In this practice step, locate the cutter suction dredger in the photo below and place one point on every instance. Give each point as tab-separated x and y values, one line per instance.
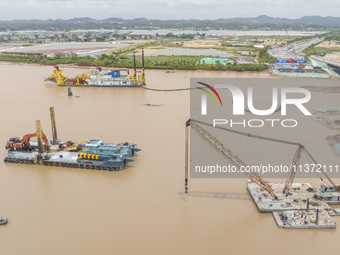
99	78
88	154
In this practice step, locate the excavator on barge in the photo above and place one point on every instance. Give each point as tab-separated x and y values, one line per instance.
24	144
88	154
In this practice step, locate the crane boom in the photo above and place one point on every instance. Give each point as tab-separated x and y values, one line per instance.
230	156
287	34
295	163
292	45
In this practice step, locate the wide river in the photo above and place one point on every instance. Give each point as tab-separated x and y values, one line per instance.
142	209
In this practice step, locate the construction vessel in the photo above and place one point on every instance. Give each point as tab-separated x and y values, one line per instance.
272	197
89	154
3	221
98	78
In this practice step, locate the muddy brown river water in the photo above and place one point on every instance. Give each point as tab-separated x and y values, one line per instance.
142	209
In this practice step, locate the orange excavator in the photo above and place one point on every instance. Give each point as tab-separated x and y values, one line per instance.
15	144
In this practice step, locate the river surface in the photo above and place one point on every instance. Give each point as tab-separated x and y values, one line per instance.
142	209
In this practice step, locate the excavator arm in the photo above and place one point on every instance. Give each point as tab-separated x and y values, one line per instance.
26	139
45	140
75	147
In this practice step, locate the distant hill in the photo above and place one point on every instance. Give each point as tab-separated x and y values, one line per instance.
260	22
307	20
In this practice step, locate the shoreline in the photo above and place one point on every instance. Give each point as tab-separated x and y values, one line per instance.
268	72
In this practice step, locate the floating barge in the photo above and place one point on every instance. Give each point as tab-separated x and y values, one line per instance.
304	207
115	157
300	192
88	154
98	78
304	219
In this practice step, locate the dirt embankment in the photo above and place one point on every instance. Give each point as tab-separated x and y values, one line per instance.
151	50
333	57
200	44
329	45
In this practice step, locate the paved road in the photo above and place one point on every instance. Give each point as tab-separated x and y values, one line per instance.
292	50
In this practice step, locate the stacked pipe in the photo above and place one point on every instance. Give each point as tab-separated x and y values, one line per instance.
143	71
134	67
38	128
54	126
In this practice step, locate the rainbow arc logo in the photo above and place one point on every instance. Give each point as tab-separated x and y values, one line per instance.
209	93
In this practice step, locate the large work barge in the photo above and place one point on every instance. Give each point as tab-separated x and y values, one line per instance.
88	154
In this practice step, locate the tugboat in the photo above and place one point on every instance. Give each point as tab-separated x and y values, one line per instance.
3	221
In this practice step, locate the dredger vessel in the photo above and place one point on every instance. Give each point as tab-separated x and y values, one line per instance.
99	78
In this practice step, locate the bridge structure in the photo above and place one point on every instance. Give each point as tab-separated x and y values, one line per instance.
330	63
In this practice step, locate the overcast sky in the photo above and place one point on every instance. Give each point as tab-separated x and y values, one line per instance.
164	9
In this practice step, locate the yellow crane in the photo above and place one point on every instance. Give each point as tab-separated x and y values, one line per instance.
58	76
82	78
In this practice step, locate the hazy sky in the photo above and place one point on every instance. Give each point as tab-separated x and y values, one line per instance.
164	9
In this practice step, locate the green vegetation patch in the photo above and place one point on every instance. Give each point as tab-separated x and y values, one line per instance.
264	56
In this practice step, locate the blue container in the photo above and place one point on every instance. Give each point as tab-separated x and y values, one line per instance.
114	74
69	91
282	61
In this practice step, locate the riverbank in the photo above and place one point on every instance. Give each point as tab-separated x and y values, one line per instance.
126	61
80	66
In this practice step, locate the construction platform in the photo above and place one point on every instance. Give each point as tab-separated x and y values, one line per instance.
304	219
300	194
